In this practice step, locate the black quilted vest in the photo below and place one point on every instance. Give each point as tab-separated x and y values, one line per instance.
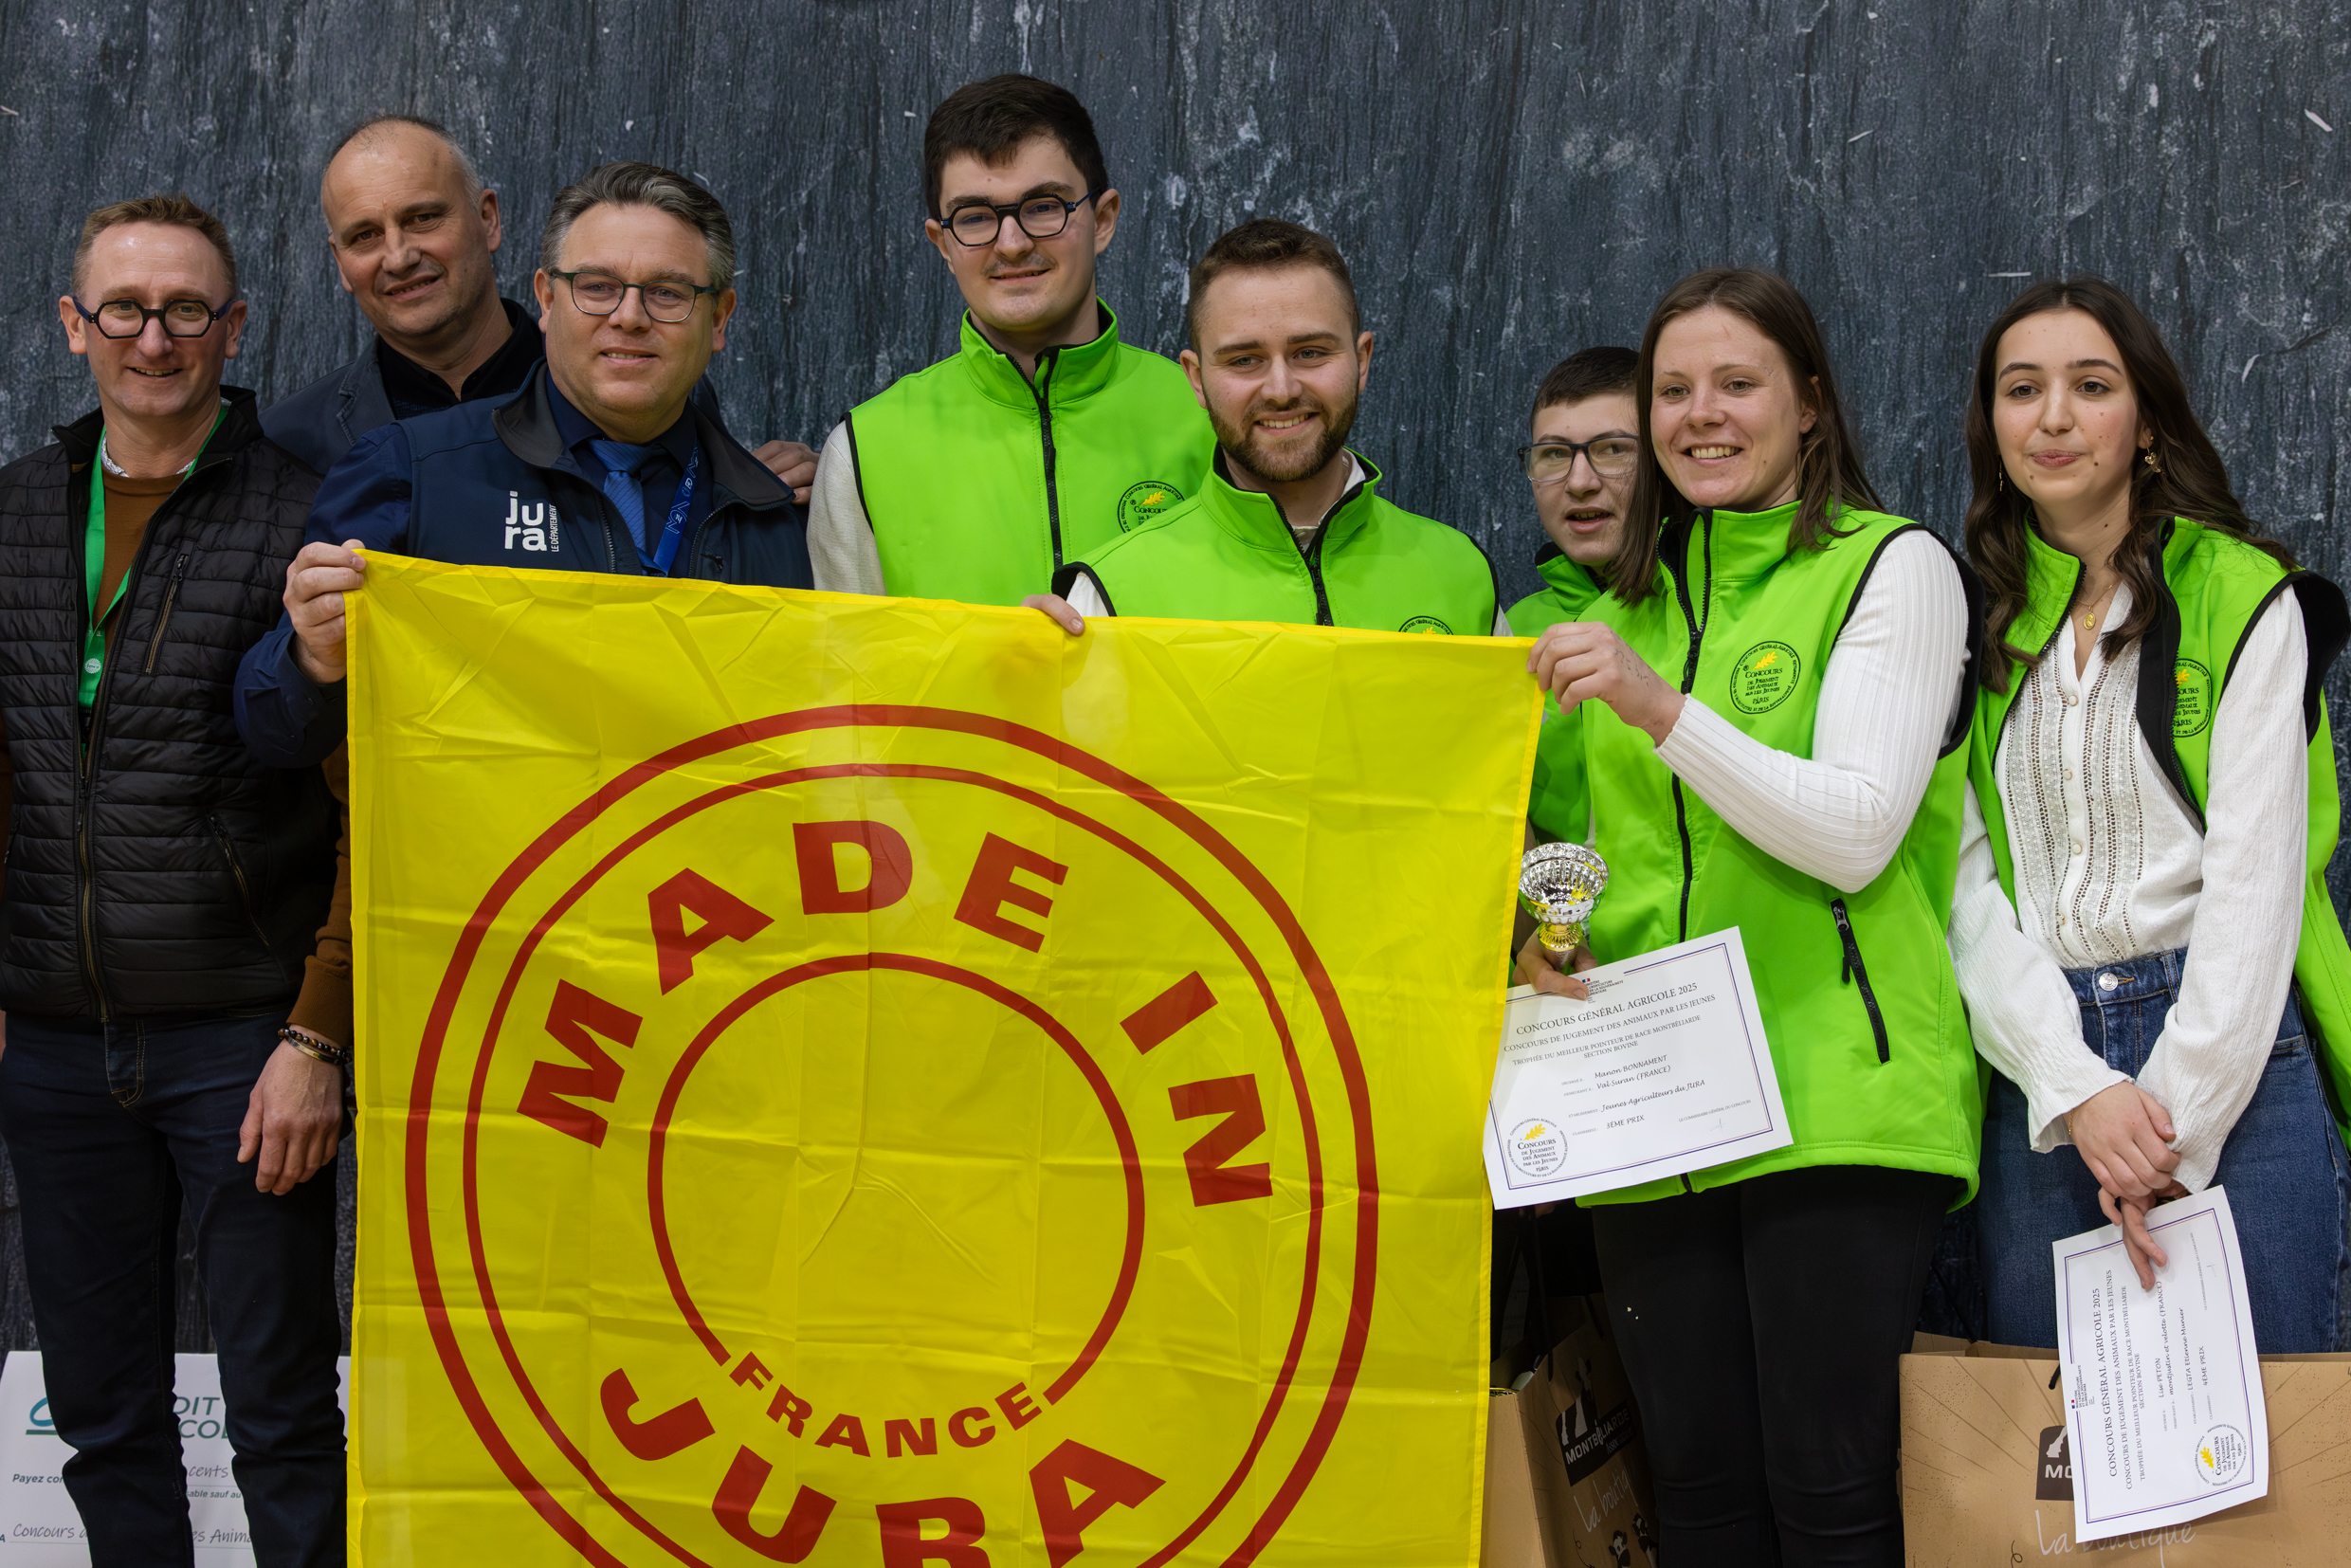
163	870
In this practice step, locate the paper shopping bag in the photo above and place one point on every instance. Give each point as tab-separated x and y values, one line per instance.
1987	1480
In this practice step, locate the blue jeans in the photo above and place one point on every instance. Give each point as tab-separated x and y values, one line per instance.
110	1127
2283	1167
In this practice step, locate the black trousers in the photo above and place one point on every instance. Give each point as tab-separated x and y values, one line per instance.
110	1127
1761	1324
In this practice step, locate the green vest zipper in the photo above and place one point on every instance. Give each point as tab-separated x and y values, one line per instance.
1230	555
980	482
1859	1001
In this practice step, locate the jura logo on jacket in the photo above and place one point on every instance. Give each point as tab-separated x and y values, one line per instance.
538	526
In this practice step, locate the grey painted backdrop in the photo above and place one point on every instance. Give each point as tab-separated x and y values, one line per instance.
1512	181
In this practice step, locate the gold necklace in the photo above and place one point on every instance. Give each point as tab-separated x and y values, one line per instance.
2089	614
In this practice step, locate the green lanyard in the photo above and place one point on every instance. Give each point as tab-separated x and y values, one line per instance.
94	563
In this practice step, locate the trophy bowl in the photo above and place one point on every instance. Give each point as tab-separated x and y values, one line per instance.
1557	885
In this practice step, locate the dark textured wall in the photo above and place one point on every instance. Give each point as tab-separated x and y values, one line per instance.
1512	179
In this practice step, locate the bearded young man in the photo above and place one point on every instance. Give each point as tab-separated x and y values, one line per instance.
1044	435
1289	525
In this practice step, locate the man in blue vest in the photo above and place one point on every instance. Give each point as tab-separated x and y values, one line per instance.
601	463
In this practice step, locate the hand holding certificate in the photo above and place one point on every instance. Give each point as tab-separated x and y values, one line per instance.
1664	1070
2165	1408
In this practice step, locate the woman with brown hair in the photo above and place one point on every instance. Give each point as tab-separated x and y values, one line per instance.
1794	771
2142	929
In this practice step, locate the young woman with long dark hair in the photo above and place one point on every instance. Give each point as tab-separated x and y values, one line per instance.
2142	928
1779	696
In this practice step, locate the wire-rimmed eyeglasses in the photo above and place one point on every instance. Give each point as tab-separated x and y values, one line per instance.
1611	456
667	300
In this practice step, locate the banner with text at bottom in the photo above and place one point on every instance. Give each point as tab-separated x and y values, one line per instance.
862	1081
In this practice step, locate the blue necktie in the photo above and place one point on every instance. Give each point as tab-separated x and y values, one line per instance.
621	461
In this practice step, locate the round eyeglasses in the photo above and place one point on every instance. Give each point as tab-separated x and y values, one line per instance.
600	294
1040	218
1611	456
120	319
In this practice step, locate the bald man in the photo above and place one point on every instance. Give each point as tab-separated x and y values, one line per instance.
413	233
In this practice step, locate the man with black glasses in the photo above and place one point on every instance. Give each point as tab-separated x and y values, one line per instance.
163	891
1044	436
600	463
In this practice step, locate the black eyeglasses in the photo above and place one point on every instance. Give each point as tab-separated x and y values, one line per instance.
600	294
128	317
1611	456
1040	218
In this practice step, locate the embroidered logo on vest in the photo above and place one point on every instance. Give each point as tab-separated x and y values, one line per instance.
2194	708
1145	501
1765	676
1426	626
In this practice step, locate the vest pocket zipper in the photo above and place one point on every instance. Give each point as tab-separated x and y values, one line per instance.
1854	971
171	597
245	888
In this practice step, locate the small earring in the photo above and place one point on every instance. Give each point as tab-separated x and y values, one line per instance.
2153	466
2000	483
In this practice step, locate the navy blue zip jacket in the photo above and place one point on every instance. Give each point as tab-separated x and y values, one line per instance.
491	483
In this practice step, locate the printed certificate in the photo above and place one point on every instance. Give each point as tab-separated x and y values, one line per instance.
2164	1410
1664	1070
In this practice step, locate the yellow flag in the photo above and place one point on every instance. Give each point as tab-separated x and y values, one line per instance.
873	1081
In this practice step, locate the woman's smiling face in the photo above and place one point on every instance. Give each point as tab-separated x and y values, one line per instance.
1726	416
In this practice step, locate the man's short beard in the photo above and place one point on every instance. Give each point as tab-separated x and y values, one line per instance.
1240	446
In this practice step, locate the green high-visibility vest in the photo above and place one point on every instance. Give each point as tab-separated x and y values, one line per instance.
2217	586
1229	555
1857	991
979	484
1559	806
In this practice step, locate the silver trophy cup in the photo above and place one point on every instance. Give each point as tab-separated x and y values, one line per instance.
1557	885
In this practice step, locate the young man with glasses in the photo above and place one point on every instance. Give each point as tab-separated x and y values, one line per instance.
601	463
414	235
1584	443
164	888
1044	436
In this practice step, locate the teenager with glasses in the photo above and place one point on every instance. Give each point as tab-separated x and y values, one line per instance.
164	892
601	463
1583	445
1044	436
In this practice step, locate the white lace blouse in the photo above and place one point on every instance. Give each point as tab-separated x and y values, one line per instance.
2109	867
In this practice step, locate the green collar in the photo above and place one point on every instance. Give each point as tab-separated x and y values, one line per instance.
1571	579
1743	546
1255	518
2051	579
1067	374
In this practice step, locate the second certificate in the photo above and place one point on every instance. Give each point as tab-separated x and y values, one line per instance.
1665	1070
